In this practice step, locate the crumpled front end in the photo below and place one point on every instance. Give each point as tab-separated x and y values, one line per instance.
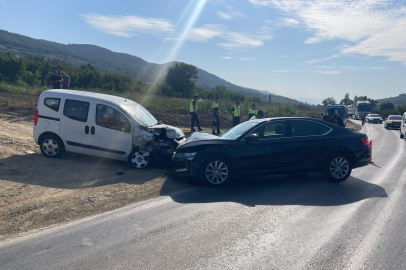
160	141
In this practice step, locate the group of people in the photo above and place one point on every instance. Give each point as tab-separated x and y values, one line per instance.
59	81
253	114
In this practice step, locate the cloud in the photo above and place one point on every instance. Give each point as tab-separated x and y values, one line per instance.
378	68
236	40
128	26
282	71
205	32
247	58
230	13
322	59
289	22
372	27
329	72
227	57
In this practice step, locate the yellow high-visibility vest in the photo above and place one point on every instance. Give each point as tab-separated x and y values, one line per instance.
191	106
236	111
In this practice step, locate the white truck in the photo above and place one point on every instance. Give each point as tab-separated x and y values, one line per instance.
361	109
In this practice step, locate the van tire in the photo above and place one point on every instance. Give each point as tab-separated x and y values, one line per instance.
137	160
51	146
401	135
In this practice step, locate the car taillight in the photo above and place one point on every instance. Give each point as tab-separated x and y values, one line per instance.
365	141
36	117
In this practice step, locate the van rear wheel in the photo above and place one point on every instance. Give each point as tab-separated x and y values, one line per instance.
51	146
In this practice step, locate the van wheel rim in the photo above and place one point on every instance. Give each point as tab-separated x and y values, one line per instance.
339	167
50	147
216	172
139	160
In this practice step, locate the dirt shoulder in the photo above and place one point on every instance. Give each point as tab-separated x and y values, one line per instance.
354	125
37	192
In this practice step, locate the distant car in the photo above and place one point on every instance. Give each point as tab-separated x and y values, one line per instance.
373	118
403	127
272	146
342	111
393	121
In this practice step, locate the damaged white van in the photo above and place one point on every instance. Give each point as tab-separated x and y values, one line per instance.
101	125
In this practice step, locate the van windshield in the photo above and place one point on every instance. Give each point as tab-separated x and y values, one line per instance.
140	114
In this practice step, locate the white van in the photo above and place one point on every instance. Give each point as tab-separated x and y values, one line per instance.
101	125
403	127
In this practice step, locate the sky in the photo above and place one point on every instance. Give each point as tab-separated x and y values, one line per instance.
302	49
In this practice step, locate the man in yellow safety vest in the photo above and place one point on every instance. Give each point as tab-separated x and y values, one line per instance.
236	113
194	114
259	115
252	112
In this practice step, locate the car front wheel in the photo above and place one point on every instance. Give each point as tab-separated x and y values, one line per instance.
216	172
139	159
338	168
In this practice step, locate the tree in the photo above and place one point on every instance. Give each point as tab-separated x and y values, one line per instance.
346	99
329	100
181	78
386	106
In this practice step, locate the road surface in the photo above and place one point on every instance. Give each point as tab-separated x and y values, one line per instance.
283	222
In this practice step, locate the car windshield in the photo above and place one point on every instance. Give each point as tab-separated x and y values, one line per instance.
339	110
396	117
140	114
237	131
374	115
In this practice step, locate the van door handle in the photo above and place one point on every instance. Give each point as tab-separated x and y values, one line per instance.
87	129
92	130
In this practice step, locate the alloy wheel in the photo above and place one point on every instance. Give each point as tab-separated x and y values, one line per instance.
140	159
216	172
339	167
50	147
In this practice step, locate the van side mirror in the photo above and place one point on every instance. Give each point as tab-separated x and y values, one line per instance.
252	137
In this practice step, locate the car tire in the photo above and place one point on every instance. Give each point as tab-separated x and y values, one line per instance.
139	159
51	146
401	135
216	172
338	168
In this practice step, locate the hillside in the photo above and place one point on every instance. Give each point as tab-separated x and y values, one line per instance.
399	100
113	62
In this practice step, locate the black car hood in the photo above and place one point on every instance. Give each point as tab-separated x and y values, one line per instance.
199	138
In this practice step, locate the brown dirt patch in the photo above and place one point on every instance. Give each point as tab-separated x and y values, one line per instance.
37	191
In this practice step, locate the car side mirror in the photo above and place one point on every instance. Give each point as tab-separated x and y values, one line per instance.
160	122
252	137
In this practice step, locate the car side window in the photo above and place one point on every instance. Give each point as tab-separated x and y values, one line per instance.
271	130
109	117
76	110
303	128
52	103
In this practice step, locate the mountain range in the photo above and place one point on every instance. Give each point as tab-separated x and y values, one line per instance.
108	61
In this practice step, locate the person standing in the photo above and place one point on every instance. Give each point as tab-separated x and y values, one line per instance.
65	81
236	113
216	118
55	80
363	119
252	112
333	117
194	115
259	115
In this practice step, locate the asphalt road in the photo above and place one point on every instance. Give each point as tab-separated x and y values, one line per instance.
283	222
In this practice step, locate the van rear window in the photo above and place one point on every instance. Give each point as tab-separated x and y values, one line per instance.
52	103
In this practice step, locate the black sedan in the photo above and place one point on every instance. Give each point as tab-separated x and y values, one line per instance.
272	146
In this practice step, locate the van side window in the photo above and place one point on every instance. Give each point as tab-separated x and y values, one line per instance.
52	103
76	110
111	118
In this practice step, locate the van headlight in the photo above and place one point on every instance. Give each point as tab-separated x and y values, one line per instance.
188	156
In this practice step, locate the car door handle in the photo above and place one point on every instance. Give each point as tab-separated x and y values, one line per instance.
87	129
92	130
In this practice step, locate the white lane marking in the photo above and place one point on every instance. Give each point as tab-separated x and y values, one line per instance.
87	242
370	241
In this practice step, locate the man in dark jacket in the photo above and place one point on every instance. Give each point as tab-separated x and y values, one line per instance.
55	80
333	117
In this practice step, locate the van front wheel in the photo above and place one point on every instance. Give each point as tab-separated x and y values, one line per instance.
139	159
51	146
